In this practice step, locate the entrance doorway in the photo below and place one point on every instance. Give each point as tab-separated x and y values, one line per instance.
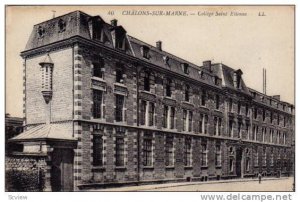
239	162
62	169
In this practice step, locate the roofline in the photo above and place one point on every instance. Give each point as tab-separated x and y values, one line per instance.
76	11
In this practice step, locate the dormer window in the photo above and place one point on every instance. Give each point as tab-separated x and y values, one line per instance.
200	72
145	52
166	60
118	34
237	78
41	32
185	68
216	80
61	25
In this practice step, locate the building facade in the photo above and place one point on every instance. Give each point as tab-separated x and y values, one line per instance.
107	108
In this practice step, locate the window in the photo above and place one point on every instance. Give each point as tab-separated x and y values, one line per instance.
98	106
247	110
264	157
97	31
147	81
271	135
218	162
119	75
203	98
278	119
147	113
97	150
187	93
143	112
205	124
247	164
284	121
169	151
239	129
184	119
204	154
172	117
230	105
255	113
248	131
230	128
264	115
201	123
217	126
217	101
271	118
169	117
185	68
98	67
256	158
145	52
187	152
239	108
231	165
187	120
165	121
272	159
168	91
120	151
147	150
190	121
151	113
119	108
264	131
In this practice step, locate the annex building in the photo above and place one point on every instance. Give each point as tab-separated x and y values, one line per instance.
102	108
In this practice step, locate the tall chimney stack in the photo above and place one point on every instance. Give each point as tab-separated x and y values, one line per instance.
114	22
159	45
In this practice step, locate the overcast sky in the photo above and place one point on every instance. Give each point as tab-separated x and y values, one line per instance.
250	42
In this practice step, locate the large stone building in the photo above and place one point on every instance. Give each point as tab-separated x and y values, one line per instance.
105	108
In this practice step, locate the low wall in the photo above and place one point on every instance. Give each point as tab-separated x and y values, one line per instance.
25	172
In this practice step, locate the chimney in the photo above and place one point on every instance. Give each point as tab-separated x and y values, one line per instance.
207	65
114	22
158	45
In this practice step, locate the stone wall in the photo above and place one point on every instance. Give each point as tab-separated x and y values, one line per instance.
25	173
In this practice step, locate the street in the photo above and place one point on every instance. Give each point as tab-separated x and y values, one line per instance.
267	184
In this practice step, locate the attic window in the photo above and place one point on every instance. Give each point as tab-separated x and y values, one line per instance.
61	25
201	73
166	60
41	32
237	78
216	80
145	52
185	68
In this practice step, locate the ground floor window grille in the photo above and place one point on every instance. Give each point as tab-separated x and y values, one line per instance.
147	151
119	151
97	150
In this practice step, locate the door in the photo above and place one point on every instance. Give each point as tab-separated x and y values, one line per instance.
239	162
62	170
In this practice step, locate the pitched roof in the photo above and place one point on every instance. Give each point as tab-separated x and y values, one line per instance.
46	131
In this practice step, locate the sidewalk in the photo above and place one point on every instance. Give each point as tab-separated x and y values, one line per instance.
153	187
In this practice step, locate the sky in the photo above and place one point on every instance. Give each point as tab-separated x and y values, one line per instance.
249	42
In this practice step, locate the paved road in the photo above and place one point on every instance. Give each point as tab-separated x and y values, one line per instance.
282	184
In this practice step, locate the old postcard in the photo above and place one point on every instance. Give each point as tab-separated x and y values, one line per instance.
150	98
